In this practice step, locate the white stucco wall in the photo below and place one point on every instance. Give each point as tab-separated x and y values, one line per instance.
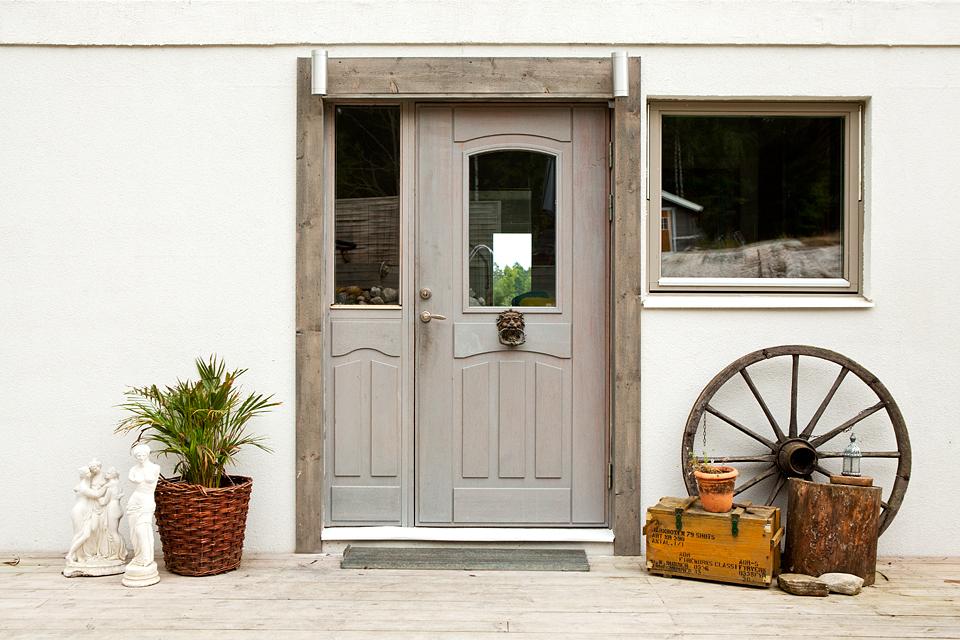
147	213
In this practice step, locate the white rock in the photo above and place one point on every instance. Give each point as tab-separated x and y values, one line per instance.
845	583
800	584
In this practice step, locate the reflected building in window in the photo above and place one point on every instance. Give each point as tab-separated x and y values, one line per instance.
367	205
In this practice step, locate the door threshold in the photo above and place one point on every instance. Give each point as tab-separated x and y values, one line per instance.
467	534
593	541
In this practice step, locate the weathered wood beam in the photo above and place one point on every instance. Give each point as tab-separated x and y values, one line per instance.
627	174
309	314
574	78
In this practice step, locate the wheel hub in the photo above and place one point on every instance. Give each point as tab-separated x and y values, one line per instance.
796	458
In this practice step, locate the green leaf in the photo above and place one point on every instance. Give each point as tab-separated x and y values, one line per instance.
200	423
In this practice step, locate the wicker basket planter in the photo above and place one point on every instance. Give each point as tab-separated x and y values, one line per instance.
201	529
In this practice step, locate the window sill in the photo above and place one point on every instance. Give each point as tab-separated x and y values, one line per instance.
752	301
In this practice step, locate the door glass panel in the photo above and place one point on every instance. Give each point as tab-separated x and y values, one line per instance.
512	246
367	207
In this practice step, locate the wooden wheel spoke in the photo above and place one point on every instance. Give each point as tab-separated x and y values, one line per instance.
736	425
823	405
763	405
794	380
823	471
756	480
865	454
782	480
757	458
833	433
785	427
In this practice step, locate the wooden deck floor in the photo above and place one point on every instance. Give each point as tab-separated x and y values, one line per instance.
309	596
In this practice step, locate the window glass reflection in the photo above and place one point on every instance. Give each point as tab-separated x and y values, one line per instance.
752	196
511	253
367	207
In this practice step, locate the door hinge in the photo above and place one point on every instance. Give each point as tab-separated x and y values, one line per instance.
610	155
610	476
610	207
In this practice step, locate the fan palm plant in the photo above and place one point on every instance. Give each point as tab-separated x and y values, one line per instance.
201	423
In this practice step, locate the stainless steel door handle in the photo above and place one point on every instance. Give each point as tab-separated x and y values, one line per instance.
426	316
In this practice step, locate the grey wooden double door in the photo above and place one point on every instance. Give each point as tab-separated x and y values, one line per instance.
509	212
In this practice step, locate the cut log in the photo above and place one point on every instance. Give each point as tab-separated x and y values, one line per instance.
832	528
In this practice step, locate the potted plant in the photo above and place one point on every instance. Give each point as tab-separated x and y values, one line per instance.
715	484
202	511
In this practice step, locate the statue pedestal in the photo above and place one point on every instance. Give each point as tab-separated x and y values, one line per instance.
93	568
141	575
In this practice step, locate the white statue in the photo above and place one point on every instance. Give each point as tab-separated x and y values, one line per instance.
142	570
93	551
111	542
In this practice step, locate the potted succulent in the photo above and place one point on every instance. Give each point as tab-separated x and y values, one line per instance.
202	511
715	484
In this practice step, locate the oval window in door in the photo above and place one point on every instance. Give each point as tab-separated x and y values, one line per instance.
512	240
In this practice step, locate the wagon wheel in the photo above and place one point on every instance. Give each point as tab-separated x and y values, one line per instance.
795	452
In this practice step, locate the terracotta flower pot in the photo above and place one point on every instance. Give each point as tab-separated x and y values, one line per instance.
716	489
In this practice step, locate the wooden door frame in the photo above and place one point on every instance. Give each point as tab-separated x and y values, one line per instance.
489	80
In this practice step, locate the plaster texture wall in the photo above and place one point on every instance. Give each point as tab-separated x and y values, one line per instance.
147	214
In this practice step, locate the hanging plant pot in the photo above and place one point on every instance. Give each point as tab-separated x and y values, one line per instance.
202	528
715	485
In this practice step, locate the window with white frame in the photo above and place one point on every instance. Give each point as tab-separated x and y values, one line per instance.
763	196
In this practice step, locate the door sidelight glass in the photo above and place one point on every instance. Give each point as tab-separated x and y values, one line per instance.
367	207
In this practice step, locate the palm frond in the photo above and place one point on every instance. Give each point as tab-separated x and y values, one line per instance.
201	423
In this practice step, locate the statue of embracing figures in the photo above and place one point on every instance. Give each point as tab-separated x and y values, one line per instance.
142	570
97	548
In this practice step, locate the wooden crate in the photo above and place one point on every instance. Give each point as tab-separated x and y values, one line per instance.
742	546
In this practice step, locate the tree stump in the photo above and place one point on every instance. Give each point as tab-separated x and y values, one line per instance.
832	528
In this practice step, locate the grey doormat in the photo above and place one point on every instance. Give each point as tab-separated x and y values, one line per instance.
470	559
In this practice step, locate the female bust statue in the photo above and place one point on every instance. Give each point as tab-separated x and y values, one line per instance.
142	570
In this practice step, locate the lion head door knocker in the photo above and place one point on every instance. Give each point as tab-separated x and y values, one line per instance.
510	328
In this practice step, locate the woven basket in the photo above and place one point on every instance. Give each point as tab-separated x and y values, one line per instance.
202	529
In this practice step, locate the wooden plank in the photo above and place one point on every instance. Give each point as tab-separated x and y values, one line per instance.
511	426
549	338
436	170
627	174
476	122
548	429
303	596
511	505
475	395
349	411
309	314
365	504
589	237
583	78
384	420
383	335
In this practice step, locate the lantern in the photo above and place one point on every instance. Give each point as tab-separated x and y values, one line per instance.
851	458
